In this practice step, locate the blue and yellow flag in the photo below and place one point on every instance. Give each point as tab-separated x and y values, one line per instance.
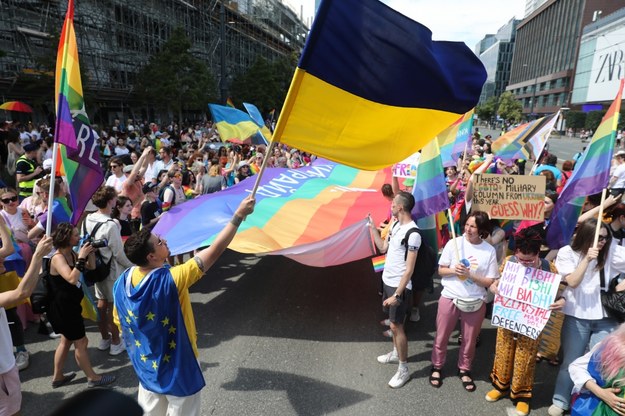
372	88
257	118
155	334
233	125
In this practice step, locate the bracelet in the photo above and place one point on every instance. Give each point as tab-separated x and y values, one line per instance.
236	220
79	266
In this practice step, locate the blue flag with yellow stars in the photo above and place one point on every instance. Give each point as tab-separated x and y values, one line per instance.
155	335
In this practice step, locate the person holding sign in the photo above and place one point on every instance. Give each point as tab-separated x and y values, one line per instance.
587	270
467	266
514	364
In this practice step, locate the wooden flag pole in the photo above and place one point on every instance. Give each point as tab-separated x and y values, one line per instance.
453	234
599	219
55	150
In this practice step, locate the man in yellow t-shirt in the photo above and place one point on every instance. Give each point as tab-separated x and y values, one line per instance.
153	311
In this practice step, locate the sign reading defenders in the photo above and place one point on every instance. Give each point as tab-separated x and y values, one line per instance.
510	197
522	304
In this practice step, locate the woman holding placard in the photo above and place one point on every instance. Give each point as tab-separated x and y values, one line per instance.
514	364
467	266
587	269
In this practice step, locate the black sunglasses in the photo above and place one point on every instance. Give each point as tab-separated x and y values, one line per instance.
601	237
8	200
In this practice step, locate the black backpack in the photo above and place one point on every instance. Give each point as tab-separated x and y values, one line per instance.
102	268
40	298
426	264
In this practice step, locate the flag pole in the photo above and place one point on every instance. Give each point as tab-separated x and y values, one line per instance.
599	219
55	150
453	234
259	175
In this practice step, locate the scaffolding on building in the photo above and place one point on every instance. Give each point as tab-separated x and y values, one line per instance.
116	38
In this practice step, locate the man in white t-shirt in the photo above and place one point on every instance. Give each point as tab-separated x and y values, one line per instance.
617	181
401	256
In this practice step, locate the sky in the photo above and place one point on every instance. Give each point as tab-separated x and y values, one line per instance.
459	20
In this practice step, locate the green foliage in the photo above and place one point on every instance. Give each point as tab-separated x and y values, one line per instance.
487	110
575	119
593	118
264	84
175	80
509	108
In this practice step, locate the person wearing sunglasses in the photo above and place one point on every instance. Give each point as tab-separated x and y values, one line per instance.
117	178
587	270
153	311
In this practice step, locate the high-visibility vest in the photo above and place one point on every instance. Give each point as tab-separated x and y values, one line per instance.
25	188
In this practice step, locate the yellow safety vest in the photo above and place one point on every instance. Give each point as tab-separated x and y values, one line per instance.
25	188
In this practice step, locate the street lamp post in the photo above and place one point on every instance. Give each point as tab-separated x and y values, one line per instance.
222	53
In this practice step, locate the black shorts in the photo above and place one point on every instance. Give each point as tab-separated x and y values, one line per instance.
397	314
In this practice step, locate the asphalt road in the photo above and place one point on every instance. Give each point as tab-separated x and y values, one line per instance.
280	338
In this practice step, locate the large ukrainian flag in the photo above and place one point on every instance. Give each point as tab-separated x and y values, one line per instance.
372	88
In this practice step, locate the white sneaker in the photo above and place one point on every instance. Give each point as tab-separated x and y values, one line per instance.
390	358
555	410
415	316
104	344
400	378
117	349
22	359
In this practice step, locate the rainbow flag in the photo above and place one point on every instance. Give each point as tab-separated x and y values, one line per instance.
233	125
326	206
526	141
453	140
370	78
230	103
78	147
429	190
590	176
378	263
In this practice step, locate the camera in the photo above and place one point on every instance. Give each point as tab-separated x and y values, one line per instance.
102	242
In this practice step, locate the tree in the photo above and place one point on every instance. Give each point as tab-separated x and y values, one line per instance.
593	118
264	84
575	119
174	80
509	108
487	110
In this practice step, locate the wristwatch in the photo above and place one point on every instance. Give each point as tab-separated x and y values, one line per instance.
397	298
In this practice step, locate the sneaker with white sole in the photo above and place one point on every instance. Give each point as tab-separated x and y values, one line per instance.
104	344
555	410
390	358
415	316
117	349
22	360
400	378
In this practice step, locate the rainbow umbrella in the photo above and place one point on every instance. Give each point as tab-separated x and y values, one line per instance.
16	106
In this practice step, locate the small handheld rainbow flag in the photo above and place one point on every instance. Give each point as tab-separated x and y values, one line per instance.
230	103
378	263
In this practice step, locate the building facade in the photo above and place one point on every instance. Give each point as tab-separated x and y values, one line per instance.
116	38
547	44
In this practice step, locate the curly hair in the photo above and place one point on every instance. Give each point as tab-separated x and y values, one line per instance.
138	246
103	195
528	241
62	235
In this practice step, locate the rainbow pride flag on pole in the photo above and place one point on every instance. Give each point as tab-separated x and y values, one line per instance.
526	141
77	142
454	138
325	205
372	88
591	175
429	190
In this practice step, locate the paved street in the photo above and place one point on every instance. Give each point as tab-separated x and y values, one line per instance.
280	338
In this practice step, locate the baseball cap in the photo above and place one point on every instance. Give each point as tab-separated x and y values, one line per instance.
148	187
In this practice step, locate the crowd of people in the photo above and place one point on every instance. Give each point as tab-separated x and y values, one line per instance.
151	168
470	266
148	169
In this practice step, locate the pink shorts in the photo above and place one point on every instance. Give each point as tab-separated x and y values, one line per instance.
10	392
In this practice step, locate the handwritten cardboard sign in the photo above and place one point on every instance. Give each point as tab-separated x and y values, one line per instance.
525	294
407	168
511	197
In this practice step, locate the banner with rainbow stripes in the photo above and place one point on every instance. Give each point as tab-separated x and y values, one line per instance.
294	207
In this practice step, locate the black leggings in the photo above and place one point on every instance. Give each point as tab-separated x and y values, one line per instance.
15	326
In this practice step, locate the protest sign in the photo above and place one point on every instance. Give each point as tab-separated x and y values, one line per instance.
407	168
511	197
522	304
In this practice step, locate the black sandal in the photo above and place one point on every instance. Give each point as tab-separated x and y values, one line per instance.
438	379
468	385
